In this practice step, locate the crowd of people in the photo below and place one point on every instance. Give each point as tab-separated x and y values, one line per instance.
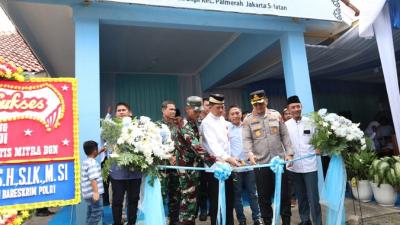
211	133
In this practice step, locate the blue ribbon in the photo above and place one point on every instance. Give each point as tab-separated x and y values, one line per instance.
153	203
277	167
222	171
333	192
320	175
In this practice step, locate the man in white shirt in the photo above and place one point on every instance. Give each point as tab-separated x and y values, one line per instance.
214	137
305	175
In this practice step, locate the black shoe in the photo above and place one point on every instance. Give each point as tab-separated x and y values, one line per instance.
242	223
267	221
42	214
306	223
258	222
203	216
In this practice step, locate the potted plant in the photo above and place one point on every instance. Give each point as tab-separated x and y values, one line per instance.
356	164
385	173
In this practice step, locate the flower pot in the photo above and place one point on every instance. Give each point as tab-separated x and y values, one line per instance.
364	191
385	195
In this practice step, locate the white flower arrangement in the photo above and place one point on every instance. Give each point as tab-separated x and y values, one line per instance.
335	134
138	144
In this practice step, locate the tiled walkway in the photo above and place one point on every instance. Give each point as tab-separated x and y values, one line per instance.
373	214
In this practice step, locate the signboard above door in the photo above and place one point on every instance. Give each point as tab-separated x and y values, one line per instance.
311	9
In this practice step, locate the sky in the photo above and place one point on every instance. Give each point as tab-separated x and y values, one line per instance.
5	23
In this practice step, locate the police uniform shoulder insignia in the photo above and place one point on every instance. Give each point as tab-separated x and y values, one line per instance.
274	114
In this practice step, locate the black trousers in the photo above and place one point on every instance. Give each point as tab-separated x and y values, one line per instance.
132	189
213	194
173	197
265	180
202	194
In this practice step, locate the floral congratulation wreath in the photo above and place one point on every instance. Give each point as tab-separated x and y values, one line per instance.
9	71
337	135
137	144
13	217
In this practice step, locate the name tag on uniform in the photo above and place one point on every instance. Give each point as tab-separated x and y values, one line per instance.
254	121
307	132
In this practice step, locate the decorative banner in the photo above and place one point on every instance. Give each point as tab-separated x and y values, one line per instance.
39	153
312	9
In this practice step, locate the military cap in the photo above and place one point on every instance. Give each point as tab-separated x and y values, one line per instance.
257	97
293	99
216	99
195	102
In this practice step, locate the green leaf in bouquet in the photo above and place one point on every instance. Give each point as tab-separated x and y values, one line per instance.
131	160
105	171
110	131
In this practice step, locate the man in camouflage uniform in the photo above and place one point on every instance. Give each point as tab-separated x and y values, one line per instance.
264	137
170	180
202	193
189	153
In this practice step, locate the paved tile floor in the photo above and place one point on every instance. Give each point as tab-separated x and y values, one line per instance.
373	214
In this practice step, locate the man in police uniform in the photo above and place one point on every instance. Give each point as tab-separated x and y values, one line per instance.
264	136
305	175
214	134
189	153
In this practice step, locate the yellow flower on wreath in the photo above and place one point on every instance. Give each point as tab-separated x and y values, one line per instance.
9	71
19	77
17	221
25	214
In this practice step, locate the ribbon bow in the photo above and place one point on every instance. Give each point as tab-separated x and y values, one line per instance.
222	171
277	167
